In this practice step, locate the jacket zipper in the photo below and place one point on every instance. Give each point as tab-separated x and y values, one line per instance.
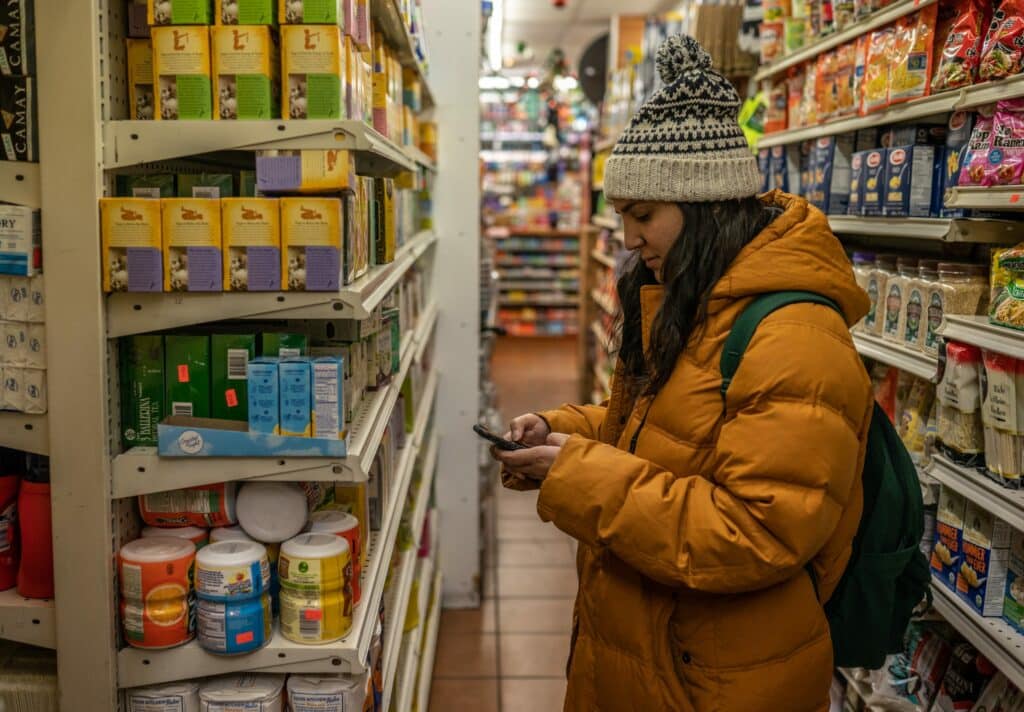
636	435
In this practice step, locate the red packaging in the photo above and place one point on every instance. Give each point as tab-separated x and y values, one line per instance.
795	93
975	156
961	50
35	572
1003	52
775	112
204	506
772	41
825	92
8	531
1005	157
885	389
911	67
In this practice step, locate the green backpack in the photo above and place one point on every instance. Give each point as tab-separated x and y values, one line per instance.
888	576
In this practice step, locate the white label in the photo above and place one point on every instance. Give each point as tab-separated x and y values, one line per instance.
326	408
143	192
174	703
131	581
234	707
206	191
190	442
1000	409
310	702
180	408
238	361
289	353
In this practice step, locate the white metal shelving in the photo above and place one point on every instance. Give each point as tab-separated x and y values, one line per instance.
23	431
1007	504
27	620
401	584
412	642
419	512
602	258
978	331
425	673
390	21
996	197
19	183
940	229
915	362
604	302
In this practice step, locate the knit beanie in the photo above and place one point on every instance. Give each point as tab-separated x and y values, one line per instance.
684	145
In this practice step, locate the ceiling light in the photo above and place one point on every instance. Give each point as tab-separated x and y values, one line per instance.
518	82
533	82
566	83
494	82
495	30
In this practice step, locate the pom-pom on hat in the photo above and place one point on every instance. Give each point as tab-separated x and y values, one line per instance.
685	144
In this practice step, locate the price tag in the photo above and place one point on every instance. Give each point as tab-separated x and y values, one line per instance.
183	373
231	397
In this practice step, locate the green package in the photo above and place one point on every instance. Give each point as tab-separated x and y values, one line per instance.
392	324
156	185
206	185
315	12
187	365
180	12
284	346
142	389
247	184
248	12
230	355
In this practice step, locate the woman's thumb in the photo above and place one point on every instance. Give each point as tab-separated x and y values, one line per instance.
557	439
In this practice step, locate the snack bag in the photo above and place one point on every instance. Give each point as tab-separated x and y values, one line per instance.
1005	157
771	41
845	67
876	70
809	101
975	153
826	91
1003	53
775	112
775	10
961	50
794	96
912	56
860	61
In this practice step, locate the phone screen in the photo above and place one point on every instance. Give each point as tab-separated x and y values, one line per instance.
499	442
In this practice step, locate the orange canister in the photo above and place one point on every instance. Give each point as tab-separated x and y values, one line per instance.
157	598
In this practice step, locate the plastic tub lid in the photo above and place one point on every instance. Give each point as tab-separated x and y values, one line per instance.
232	533
272	511
190	533
185	688
231	553
332	521
314	546
155	549
242	688
332	685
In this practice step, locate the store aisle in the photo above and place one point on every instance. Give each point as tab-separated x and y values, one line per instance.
509	655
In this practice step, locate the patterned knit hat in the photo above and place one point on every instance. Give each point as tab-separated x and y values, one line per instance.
684	144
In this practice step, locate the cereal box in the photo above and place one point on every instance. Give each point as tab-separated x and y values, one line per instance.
229	374
181	70
179	12
949	524
873	202
192	245
20	241
251	230
245	73
296	409
244	12
908	181
1013	601
328	398
311	244
187	375
981	578
139	57
313	71
141	368
18	110
132	245
304	171
264	396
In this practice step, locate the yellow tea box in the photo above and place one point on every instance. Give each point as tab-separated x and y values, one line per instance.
361	25
311	238
244	12
315	12
352	100
139	57
251	230
131	243
181	72
313	171
384	193
178	12
245	68
192	244
313	71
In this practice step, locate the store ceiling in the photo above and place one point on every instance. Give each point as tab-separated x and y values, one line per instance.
544	27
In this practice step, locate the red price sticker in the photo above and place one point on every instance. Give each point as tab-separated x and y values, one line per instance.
1015	198
231	396
313	614
183	373
243	638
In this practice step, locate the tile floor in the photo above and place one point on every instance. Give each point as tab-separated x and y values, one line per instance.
509	655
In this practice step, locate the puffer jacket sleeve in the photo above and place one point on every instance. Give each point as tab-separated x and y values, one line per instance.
787	459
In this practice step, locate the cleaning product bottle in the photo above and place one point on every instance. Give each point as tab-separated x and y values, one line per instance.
35	573
8	529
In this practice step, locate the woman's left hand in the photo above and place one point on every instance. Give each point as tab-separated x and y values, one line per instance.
532	463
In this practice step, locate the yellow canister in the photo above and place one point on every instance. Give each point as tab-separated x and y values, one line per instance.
315	573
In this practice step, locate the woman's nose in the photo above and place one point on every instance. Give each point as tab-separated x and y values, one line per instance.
633	240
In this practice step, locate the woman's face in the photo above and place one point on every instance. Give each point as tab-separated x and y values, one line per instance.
651	228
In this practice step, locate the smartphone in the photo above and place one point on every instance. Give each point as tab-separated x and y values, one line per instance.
500	443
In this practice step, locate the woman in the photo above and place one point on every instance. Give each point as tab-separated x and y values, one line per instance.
696	517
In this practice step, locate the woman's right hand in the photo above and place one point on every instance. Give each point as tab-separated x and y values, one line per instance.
529	429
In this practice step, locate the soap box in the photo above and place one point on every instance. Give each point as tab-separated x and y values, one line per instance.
181	68
384	191
874	182
312	12
281	346
132	245
251	229
296	411
192	245
179	12
312	71
205	185
264	396
949	524
187	369
153	185
311	244
139	57
36	355
181	436
20	241
856	183
15	343
908	181
1013	601
304	171
141	368
229	373
36	308
245	73
245	12
328	398
981	578
18	109
17	43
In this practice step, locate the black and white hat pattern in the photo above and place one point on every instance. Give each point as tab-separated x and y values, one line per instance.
684	144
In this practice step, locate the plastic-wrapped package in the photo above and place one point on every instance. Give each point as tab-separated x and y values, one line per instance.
961	50
960	434
1002	412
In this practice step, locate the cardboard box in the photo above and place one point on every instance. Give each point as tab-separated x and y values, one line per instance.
245	73
855	205
141	100
305	171
381	86
187	369
763	156
950	178
251	231
132	245
36	307
779	169
947	554
328	394
245	12
283	346
312	12
214	186
357	230
830	189
247	184
179	12
138	24
312	71
208	437
229	372
296	407
264	396
18	109
153	185
20	241
14	348
385	244
360	31
981	578
908	181
192	245
17	41
311	246
36	355
181	69
875	162
1013	601
141	369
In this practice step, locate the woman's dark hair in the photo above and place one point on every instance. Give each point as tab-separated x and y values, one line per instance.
712	237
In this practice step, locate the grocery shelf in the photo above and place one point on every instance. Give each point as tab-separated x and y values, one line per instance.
809	51
942	229
130	143
993	637
426	663
425	330
19	183
603	301
501	232
138	313
412	642
419	512
605	222
915	362
978	331
422	159
23	431
1007	504
394	29
538	250
349	655
559	303
27	620
604	259
996	197
602	338
395	612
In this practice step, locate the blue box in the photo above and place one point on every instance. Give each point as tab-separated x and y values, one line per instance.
951	163
328	398
181	436
296	405
264	396
914	134
909	173
856	204
873	178
778	166
830	160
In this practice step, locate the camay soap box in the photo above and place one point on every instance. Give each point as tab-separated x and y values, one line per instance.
132	245
20	245
311	246
181	436
251	230
192	245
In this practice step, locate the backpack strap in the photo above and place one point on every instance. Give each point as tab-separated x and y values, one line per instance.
746	324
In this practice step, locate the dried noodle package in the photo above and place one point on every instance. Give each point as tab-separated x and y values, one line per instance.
961	50
1002	411
1005	161
876	71
975	154
1003	53
959	435
826	93
912	56
1008	289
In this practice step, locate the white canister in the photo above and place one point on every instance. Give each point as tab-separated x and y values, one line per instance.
232	569
197	535
249	692
175	697
339	693
232	533
272	512
345	525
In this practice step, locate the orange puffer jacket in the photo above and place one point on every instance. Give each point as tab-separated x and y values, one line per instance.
693	594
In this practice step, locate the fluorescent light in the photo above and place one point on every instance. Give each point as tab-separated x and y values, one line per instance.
518	82
533	82
495	29
492	82
566	83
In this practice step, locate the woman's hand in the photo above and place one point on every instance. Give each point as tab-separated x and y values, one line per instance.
532	463
529	429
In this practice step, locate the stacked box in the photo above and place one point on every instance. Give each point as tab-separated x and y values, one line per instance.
132	245
305	171
874	170
17	42
245	73
192	245
141	99
981	579
296	407
179	12
181	70
245	12
264	396
230	357
312	71
141	370
187	369
910	171
830	186
328	398
855	206
311	248
947	554
251	230
18	108
313	12
21	250
385	242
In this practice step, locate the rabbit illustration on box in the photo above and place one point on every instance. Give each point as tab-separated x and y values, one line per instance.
297	97
177	268
144	110
229	12
118	272
293	12
168	98
296	269
239	270
162	12
228	98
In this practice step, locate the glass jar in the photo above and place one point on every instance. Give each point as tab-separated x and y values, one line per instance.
863	266
960	289
915	315
878	282
895	299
